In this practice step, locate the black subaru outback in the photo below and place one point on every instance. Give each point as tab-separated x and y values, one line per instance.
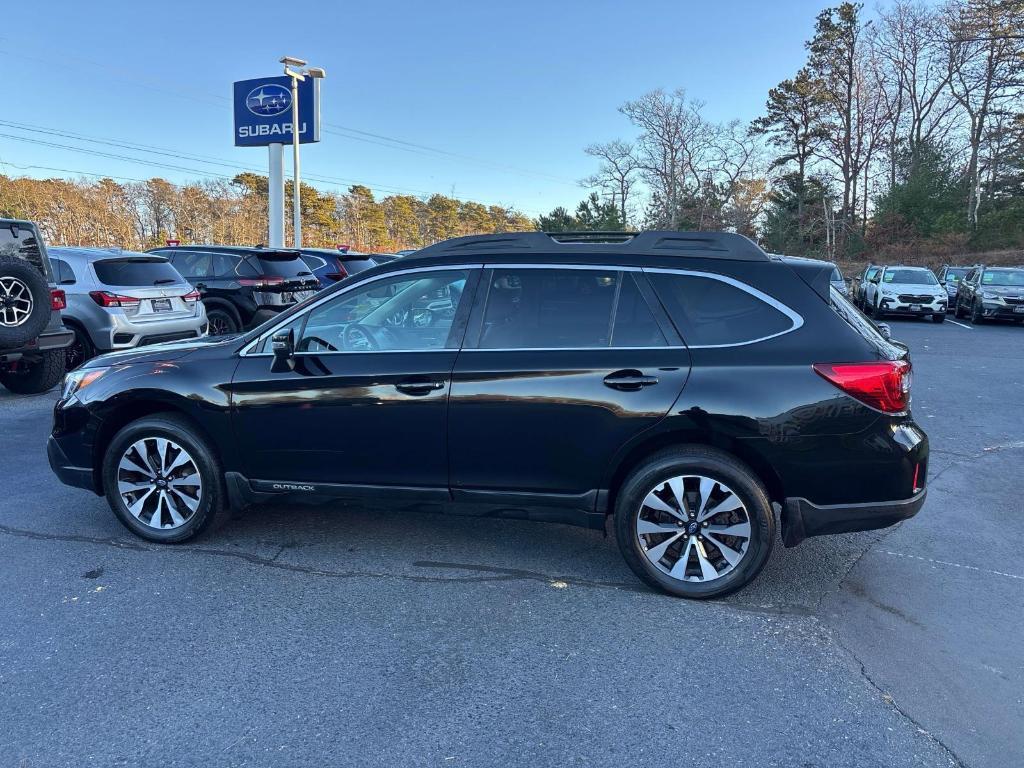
683	384
32	337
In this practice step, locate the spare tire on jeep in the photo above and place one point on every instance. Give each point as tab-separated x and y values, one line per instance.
25	302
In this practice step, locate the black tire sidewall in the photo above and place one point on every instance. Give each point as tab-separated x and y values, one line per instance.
39	375
716	465
186	436
39	289
233	324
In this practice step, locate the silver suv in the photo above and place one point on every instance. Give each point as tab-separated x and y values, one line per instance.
123	299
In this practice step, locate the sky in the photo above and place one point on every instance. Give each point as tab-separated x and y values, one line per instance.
492	102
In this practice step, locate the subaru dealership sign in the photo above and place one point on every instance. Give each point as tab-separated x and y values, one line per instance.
263	111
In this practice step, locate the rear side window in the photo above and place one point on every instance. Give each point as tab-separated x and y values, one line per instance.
136	272
709	312
192	263
228	265
634	324
62	272
549	309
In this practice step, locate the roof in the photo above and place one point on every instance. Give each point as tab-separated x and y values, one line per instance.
707	245
98	254
242	249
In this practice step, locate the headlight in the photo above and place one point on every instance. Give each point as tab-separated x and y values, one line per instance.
989	295
78	380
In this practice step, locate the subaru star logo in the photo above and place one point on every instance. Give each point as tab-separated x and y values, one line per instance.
268	100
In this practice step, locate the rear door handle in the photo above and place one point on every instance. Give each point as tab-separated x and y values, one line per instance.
629	380
419	387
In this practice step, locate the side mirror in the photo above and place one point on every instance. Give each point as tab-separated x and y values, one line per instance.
885	330
282	344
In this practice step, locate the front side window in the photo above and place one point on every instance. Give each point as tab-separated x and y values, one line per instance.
709	312
412	312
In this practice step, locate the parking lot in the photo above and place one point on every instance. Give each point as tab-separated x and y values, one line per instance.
387	637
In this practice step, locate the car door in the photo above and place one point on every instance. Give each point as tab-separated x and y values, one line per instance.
561	367
364	402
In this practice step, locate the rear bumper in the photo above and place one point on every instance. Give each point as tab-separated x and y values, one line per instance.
44	342
118	332
802	518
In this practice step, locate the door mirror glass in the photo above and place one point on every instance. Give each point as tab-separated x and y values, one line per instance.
282	344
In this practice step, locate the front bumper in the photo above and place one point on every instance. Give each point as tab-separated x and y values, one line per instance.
65	470
802	518
891	305
998	310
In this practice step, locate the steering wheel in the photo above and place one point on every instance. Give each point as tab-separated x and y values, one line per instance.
358	338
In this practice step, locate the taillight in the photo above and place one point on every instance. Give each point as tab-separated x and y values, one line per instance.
58	299
336	276
192	296
260	282
108	299
882	385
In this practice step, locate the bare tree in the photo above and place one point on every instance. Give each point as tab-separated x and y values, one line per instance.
986	69
617	173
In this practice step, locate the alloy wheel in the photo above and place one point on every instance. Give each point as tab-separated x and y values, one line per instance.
218	325
159	483
693	528
15	302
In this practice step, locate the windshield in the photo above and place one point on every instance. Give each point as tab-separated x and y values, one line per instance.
955	274
909	277
1014	277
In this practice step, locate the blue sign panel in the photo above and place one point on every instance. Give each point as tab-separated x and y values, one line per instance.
263	111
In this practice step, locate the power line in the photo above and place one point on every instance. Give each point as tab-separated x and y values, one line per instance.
360	135
203	159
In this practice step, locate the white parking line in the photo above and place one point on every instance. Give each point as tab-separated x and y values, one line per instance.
954	322
955	565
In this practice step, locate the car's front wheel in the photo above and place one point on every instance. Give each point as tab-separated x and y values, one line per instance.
162	479
694	522
939	317
977	314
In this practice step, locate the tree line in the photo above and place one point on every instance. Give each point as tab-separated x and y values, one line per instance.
144	214
901	134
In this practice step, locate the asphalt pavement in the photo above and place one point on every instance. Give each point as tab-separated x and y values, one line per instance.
369	636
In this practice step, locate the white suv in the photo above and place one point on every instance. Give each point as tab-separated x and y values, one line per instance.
908	291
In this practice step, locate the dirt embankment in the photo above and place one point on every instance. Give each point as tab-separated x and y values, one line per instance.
852	267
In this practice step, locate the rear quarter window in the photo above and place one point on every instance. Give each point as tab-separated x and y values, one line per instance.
709	312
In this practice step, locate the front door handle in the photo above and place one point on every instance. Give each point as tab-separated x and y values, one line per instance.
629	380
419	387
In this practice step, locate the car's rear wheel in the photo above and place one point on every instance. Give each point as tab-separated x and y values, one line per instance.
162	479
221	322
81	348
694	522
32	376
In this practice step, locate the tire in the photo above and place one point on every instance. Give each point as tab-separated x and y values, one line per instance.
725	474
121	462
37	376
24	302
869	310
939	318
223	321
81	348
976	316
958	313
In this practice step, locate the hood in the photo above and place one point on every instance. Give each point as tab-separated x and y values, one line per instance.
156	353
1002	290
913	288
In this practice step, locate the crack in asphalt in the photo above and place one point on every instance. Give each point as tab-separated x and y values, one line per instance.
954	758
491	574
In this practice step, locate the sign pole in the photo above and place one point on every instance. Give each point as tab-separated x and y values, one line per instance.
296	185
275	212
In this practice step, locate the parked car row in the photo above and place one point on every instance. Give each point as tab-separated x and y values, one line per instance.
980	292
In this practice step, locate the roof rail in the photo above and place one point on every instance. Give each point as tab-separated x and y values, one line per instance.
713	245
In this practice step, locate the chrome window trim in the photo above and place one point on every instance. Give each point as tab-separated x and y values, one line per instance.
793	316
247	349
